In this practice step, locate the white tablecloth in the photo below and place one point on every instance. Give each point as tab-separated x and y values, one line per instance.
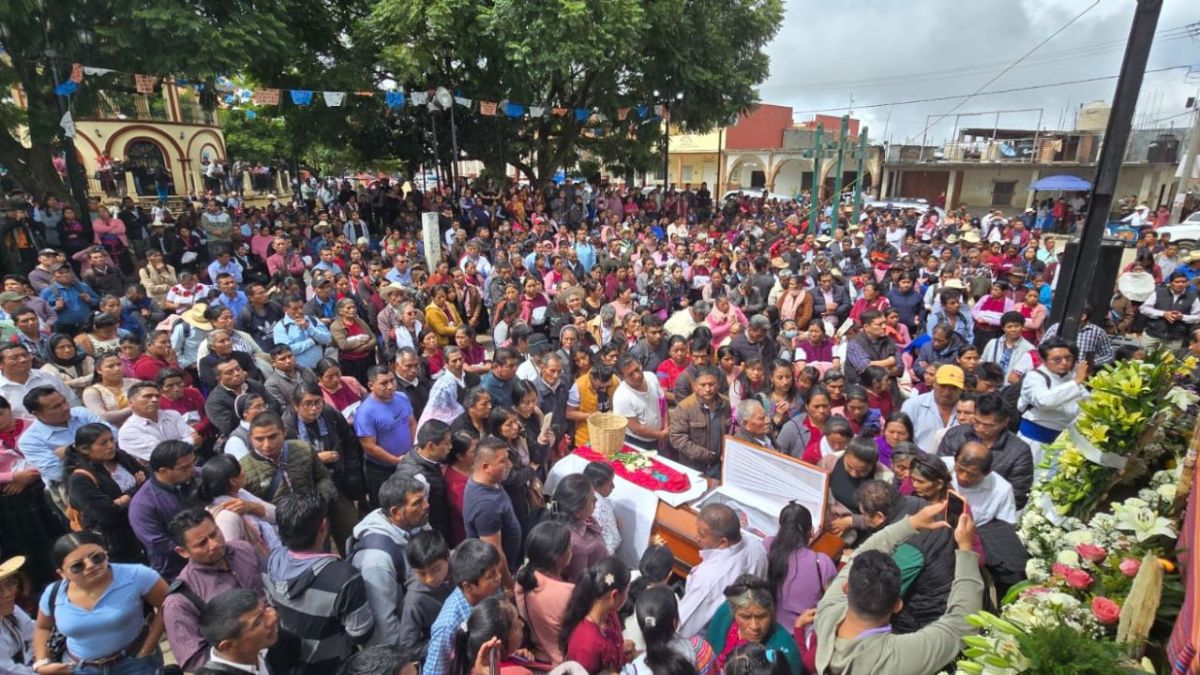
635	506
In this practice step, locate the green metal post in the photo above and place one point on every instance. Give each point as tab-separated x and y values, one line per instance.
858	175
815	203
837	177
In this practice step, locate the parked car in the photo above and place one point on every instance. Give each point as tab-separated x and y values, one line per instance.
1186	233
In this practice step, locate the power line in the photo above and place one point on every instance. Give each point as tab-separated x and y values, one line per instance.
1167	35
860	106
1001	74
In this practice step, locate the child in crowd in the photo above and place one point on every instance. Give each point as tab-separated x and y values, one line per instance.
602	477
429	559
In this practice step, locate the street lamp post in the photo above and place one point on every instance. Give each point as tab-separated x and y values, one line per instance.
667	137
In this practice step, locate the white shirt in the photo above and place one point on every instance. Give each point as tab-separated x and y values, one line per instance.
14	392
16	634
1019	361
140	435
528	371
927	421
992	499
705	591
259	668
644	406
235	446
1050	400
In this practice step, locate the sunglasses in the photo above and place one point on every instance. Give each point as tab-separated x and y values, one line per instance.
97	559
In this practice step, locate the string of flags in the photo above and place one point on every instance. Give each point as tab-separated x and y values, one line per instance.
230	95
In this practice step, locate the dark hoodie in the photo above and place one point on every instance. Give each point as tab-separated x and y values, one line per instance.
323	612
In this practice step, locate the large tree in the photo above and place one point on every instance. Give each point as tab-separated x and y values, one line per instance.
597	54
276	40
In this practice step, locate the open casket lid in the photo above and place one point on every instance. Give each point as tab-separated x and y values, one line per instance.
774	479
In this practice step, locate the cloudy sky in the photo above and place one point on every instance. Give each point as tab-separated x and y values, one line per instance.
872	52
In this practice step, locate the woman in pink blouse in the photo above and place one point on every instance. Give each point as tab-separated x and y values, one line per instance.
109	232
722	319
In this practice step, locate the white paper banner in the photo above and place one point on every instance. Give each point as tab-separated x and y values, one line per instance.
68	125
89	70
1093	454
463	101
334	99
419	97
536	111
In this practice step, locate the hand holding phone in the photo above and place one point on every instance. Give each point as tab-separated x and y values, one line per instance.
956	506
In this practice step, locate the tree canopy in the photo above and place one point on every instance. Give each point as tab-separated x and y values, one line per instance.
597	54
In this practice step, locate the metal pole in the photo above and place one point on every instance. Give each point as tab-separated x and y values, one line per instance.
666	145
454	151
720	161
437	161
1189	164
837	169
1075	283
75	179
858	175
815	202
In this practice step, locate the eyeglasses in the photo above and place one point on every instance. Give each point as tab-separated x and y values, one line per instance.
97	559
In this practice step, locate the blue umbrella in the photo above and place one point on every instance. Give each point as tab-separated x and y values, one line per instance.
1063	182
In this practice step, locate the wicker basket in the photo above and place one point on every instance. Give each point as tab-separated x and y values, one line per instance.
606	433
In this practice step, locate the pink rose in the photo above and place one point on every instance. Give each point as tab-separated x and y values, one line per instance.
1075	577
1091	553
1130	566
1107	612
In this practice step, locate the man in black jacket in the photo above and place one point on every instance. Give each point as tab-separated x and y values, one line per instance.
424	464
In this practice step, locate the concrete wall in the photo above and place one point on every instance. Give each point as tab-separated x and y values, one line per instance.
761	128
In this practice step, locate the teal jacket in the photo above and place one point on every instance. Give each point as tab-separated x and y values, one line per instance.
779	639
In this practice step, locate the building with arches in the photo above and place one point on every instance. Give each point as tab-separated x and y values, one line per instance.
131	142
149	138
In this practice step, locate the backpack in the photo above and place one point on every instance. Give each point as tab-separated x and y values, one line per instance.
74	515
379	542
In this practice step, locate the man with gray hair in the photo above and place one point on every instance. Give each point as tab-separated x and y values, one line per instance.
725	555
756	341
753	424
220	346
686	320
376	549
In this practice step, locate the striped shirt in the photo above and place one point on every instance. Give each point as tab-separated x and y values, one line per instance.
323	611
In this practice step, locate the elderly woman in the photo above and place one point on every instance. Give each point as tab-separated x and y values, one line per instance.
748	616
66	361
354	339
726	320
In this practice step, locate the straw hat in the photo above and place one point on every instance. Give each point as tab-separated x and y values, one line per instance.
971	237
11	566
195	316
388	289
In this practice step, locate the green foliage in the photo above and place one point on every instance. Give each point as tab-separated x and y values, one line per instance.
603	54
1060	650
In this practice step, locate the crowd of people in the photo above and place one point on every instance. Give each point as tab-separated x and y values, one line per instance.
281	440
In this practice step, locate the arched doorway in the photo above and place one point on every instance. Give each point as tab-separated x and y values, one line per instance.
146	160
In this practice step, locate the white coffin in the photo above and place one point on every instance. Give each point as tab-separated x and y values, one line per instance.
758	483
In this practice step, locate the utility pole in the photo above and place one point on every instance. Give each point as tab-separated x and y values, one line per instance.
75	179
858	175
837	169
1075	283
1189	162
815	201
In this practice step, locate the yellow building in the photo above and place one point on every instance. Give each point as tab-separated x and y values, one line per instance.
167	130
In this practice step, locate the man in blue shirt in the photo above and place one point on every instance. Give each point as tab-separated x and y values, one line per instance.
156	502
327	264
584	251
384	424
230	296
321	307
225	264
306	338
45	442
399	273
